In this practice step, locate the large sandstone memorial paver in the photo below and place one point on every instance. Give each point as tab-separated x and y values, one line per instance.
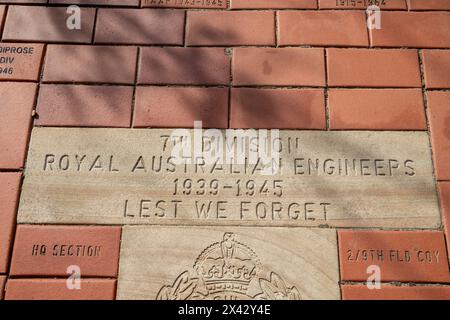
203	263
144	176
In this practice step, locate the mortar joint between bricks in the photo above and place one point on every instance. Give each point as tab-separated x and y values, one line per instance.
326	88
230	53
338	256
396	283
425	104
277	29
3	22
135	86
94	26
39	83
185	28
425	100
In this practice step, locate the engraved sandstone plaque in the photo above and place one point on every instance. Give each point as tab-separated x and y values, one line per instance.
205	263
129	176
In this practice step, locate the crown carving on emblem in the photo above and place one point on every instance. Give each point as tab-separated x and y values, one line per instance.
228	270
228	264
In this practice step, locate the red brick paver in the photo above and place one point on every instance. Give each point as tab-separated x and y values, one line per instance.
390	292
282	67
235	28
9	196
274	4
439	117
413	29
107	64
377	109
80	105
26	23
410	256
19	61
50	250
24	1
430	5
437	68
384	5
56	289
131	3
323	28
143	26
15	122
169	107
184	66
278	108
373	68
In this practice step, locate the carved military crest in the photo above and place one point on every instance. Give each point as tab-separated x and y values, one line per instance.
228	270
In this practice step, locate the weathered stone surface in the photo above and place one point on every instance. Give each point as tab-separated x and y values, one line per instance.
114	176
258	263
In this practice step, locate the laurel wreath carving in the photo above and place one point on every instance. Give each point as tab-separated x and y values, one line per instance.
187	288
276	289
182	288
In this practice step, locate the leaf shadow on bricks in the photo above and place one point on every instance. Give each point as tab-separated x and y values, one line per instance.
171	103
164	105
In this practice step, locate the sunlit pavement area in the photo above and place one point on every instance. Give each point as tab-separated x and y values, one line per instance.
95	95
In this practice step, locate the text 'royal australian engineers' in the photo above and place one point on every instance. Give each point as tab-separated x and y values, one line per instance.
156	176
